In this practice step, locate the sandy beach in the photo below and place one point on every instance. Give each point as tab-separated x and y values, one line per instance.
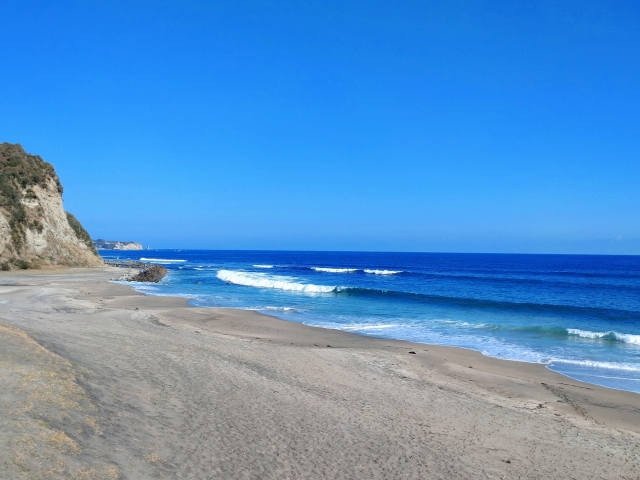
99	381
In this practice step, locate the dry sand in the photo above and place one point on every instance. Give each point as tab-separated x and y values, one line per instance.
98	381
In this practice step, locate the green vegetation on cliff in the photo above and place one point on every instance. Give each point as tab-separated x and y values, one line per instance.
81	233
19	171
34	229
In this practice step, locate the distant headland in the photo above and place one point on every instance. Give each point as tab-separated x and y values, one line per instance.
102	244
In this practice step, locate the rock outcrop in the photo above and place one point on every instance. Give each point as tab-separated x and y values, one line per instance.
35	231
116	245
154	273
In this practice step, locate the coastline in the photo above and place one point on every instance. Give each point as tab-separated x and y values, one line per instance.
299	401
381	342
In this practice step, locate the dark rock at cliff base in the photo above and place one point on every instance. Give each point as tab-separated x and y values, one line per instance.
154	273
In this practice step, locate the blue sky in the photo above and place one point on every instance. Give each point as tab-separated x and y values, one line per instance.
406	126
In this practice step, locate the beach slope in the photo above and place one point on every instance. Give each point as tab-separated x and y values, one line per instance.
98	381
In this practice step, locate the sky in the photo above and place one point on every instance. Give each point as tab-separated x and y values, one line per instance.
478	126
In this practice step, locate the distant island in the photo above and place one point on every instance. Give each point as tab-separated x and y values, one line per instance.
102	244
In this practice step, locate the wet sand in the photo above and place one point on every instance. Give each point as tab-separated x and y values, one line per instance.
98	381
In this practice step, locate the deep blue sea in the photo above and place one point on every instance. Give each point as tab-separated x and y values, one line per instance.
579	315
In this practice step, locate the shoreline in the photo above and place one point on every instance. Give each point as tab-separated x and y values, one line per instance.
416	344
209	392
459	357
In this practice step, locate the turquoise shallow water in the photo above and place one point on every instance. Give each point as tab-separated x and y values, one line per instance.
579	315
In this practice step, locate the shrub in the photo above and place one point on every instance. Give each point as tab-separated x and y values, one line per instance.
21	264
80	232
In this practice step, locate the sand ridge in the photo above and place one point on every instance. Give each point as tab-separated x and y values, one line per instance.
183	392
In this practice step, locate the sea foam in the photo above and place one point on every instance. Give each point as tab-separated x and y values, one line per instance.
262	280
611	335
380	326
334	270
272	308
382	272
627	367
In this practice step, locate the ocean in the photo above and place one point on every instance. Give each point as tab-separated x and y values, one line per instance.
577	314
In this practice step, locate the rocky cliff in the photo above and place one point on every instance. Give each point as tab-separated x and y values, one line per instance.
35	230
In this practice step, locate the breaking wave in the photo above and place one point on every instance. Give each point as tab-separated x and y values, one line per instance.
262	280
271	308
628	367
334	270
365	326
382	272
611	335
263	266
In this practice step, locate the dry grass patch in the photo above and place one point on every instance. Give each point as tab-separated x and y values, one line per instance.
153	457
111	472
45	414
62	442
93	424
58	469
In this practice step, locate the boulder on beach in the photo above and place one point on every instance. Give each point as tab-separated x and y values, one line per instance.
154	273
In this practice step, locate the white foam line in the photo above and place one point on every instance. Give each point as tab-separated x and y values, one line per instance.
382	272
262	280
621	337
334	270
629	367
371	327
270	308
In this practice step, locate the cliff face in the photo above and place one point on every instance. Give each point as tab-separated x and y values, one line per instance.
34	228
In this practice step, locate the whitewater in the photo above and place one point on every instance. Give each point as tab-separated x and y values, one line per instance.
578	315
261	280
